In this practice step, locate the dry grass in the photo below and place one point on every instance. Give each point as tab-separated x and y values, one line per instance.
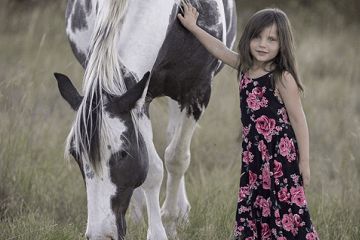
41	197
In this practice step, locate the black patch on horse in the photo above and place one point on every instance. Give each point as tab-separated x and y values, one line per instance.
78	20
184	68
69	8
132	162
88	6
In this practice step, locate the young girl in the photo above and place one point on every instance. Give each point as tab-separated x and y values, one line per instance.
275	158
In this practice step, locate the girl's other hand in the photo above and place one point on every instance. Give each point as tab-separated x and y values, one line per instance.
305	172
190	15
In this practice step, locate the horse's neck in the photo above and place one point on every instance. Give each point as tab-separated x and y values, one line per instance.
143	33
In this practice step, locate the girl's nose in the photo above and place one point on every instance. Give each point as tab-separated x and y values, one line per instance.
262	42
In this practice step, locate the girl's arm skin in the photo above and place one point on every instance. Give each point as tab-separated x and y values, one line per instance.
290	95
217	48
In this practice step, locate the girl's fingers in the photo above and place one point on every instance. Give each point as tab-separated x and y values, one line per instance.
186	7
181	9
180	17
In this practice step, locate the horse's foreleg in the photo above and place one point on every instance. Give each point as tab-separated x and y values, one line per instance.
151	188
137	206
177	159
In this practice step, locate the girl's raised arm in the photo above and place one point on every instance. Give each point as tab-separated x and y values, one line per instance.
217	48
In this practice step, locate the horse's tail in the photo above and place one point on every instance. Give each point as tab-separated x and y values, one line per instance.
101	75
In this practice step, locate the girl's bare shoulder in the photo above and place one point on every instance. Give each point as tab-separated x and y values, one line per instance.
287	82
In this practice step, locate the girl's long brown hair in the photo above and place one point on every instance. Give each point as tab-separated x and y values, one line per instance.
285	60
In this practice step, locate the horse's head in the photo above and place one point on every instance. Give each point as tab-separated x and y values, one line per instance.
113	160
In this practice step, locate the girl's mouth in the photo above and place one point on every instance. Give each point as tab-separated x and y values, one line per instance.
261	52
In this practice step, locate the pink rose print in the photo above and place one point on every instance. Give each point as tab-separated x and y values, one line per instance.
245	131
278	128
252	224
264	152
277	218
311	236
258	200
244	191
277	213
282	112
252	179
287	222
265	126
256	99
265	205
291	223
238	229
247	157
266	176
253	103
295	178
281	238
243	209
278	169
265	231
245	81
287	149
298	221
298	196
283	195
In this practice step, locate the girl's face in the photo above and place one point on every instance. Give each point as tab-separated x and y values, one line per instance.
265	46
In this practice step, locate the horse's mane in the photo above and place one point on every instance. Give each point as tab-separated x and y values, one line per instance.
102	74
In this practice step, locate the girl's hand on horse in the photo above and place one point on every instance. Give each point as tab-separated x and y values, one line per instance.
190	16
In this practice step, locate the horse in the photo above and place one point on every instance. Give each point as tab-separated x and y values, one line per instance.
132	52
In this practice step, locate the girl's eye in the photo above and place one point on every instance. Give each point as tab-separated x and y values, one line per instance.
272	39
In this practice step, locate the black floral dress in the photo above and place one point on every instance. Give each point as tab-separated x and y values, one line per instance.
271	201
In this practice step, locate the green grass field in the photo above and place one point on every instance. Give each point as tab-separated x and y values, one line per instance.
43	197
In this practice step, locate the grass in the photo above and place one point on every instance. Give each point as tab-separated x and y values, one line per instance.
43	197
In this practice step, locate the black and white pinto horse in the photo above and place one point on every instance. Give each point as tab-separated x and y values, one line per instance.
118	42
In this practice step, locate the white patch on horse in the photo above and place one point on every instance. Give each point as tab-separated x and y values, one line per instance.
101	219
98	76
152	184
141	38
177	159
80	37
100	189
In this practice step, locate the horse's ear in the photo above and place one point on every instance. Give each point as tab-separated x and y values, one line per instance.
68	91
134	97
